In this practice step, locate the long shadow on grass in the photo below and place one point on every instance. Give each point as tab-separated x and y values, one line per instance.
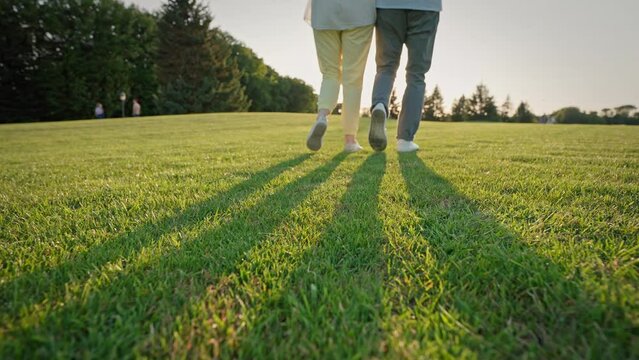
49	282
117	313
331	305
504	299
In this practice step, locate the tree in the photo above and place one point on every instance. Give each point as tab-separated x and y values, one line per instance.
434	106
60	57
523	114
196	69
460	109
482	104
393	106
258	79
506	109
266	89
299	96
573	115
607	112
625	111
71	54
20	33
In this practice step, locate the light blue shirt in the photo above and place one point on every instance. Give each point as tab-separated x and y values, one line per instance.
426	5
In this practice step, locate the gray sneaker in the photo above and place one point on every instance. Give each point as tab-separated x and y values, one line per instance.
314	139
377	133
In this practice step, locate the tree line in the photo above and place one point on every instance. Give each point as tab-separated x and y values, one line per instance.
60	57
481	106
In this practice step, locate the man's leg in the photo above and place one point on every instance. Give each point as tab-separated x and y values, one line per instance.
391	33
390	36
420	41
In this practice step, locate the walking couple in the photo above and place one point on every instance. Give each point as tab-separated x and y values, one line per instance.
343	31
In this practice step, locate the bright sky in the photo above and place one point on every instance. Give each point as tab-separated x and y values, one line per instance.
551	53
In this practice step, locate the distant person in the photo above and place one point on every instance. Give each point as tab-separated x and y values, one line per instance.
402	22
137	108
99	111
343	32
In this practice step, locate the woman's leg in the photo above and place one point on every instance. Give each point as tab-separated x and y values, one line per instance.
356	44
328	44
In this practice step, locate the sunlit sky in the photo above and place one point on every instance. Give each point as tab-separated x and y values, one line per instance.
550	53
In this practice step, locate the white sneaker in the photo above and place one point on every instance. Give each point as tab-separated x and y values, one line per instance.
314	139
352	147
377	133
404	146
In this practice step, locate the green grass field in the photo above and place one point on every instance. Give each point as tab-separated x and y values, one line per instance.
221	236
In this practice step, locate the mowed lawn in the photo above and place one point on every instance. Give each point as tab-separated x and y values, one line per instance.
222	236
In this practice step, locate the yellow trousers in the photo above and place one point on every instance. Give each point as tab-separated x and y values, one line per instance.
342	56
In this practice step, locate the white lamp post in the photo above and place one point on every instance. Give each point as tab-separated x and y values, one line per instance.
122	99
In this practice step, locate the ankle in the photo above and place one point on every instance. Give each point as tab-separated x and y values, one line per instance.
350	139
323	114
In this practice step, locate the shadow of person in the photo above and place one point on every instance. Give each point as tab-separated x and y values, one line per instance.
487	291
50	283
121	308
330	306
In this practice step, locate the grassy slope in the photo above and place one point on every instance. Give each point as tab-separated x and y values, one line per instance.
219	235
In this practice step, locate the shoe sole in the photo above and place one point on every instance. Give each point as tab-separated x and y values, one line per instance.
377	133
314	141
407	151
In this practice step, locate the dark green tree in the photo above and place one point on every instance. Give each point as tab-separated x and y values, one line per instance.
267	90
434	106
460	109
258	79
300	96
625	110
196	69
620	115
142	73
91	51
482	105
573	115
20	34
523	114
630	118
